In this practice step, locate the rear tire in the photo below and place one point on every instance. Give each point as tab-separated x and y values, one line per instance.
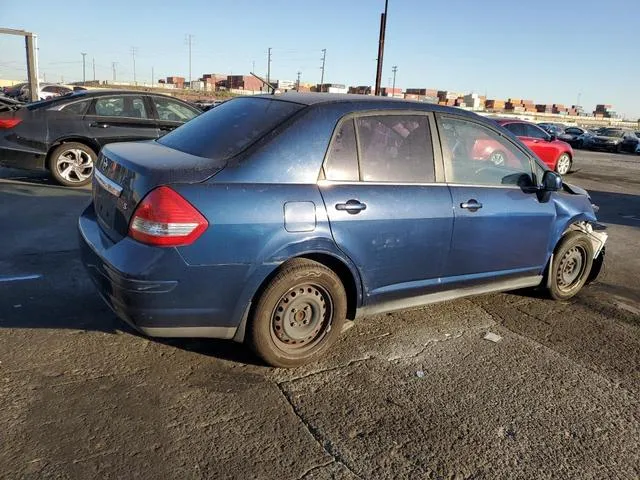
299	315
571	266
72	164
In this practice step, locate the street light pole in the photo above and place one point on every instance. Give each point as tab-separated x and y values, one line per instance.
383	28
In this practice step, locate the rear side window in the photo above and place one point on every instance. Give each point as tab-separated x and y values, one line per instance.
76	108
128	106
395	148
518	129
224	131
342	159
173	111
534	131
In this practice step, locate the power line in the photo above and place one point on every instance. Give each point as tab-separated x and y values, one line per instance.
324	58
84	76
269	67
393	89
134	51
189	41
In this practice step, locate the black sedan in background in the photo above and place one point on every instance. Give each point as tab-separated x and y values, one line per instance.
613	140
65	134
574	136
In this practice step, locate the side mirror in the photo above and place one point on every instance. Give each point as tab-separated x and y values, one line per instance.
552	137
551	181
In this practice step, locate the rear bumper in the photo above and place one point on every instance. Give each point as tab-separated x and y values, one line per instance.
155	291
21	159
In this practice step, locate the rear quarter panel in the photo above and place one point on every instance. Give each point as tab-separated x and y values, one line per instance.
247	229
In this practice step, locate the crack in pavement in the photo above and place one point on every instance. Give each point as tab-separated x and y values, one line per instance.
325	444
318	372
312	469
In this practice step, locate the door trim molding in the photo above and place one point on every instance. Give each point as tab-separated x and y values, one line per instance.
422	300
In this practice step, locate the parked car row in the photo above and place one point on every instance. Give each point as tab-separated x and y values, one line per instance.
46	91
610	139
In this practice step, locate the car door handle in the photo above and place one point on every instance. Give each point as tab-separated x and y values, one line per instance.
471	205
351	206
99	125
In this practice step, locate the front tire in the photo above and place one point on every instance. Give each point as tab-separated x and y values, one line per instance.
571	266
71	164
299	315
563	165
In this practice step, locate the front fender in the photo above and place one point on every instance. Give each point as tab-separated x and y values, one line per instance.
570	209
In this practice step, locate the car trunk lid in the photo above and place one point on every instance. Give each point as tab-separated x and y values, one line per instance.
126	172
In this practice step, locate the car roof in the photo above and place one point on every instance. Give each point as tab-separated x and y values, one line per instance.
363	102
504	121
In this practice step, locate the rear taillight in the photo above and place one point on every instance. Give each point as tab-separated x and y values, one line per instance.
166	219
9	122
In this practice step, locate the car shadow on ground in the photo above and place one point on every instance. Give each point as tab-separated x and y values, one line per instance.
26	176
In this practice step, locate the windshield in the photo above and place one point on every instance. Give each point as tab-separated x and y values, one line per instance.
610	132
226	130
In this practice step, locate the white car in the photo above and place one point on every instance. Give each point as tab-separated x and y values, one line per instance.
46	91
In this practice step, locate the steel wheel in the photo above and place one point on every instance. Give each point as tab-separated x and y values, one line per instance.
497	158
571	268
301	318
564	164
74	165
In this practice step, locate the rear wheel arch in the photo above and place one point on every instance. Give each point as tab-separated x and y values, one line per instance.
83	140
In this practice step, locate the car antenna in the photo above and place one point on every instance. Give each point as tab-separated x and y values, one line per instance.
264	82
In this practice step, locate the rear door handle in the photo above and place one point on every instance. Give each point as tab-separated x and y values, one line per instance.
99	125
351	206
471	205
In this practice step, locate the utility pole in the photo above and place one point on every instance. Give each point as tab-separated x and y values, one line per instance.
393	89
298	82
84	76
134	50
44	77
113	67
253	66
383	28
578	102
269	67
324	58
152	75
189	39
94	68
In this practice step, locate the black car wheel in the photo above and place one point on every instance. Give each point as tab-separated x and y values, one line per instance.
71	164
571	266
299	314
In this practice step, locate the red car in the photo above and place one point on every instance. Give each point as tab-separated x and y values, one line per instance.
558	155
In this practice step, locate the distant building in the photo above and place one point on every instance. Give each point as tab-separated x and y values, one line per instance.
361	90
391	92
243	82
332	88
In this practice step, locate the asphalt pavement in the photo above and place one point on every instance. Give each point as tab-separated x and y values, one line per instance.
418	394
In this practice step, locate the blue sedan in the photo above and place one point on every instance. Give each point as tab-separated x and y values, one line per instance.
274	219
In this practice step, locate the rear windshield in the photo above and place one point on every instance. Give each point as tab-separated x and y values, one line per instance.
226	130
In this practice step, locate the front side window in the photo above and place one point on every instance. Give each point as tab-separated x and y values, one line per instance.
128	106
342	158
172	111
395	148
476	155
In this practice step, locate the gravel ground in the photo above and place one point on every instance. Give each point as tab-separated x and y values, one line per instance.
418	394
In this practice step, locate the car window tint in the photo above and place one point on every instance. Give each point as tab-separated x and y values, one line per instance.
574	131
395	148
534	131
173	111
476	155
77	108
228	129
516	128
128	106
342	158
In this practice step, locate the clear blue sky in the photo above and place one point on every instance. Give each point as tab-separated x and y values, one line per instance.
547	51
